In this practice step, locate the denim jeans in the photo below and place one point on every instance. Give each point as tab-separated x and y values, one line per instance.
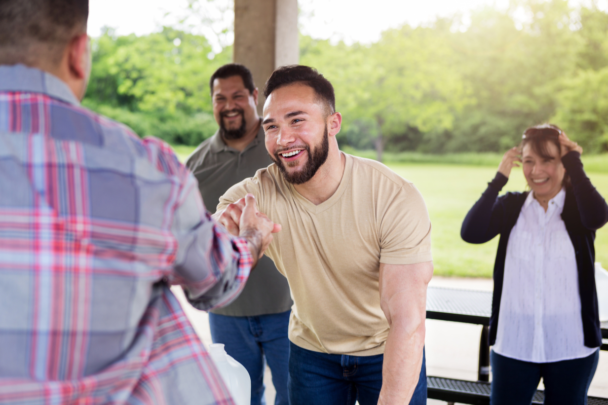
334	379
566	382
250	339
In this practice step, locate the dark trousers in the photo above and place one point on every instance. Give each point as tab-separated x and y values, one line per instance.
334	379
514	382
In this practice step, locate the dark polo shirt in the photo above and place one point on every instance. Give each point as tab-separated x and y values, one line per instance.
217	167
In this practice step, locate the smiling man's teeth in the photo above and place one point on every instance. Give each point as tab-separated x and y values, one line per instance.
290	154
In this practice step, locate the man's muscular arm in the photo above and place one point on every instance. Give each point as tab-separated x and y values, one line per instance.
403	300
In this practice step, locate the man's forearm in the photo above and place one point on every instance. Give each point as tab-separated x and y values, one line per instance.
254	242
402	363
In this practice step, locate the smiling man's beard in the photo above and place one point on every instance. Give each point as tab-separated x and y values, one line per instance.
315	160
233	134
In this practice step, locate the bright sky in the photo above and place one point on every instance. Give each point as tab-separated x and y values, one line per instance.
350	20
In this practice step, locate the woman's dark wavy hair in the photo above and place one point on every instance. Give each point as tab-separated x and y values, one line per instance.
539	137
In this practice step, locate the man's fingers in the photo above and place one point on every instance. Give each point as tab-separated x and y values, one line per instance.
250	205
275	227
250	201
235	212
229	223
232	228
241	203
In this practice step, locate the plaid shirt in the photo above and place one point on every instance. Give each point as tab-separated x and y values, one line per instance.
95	223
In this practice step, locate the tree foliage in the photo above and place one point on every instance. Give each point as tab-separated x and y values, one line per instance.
448	86
158	84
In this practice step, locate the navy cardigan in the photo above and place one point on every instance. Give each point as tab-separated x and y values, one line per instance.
584	212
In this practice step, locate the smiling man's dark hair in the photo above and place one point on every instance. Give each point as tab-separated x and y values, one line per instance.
230	70
306	75
37	31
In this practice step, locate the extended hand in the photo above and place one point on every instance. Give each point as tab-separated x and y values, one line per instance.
243	219
230	217
256	228
568	145
509	160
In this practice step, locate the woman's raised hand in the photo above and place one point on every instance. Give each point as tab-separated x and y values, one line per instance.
568	145
509	160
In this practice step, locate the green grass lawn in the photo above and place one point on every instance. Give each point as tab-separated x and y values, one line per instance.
451	189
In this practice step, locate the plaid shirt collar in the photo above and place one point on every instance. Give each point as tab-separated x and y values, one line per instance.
20	78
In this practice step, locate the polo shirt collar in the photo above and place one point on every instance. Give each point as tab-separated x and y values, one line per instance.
21	78
218	144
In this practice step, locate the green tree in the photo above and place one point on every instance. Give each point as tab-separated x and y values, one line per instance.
158	84
583	109
594	35
403	82
515	69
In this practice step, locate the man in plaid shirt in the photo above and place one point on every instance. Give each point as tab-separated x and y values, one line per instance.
95	224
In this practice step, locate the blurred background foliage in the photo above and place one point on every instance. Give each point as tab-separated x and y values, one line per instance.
446	87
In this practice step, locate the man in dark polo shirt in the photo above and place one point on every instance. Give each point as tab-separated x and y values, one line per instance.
255	325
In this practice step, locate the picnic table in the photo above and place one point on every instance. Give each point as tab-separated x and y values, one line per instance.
473	307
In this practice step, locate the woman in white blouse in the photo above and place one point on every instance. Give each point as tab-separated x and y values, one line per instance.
545	321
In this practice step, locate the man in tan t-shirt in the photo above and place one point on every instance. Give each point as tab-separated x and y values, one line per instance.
355	248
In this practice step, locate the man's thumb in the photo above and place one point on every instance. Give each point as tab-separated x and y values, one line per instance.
250	207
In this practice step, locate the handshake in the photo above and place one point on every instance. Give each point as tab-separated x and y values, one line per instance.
243	219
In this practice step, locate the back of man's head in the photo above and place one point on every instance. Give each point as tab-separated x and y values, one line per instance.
36	32
287	75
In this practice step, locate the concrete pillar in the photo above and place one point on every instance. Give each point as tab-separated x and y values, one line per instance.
265	37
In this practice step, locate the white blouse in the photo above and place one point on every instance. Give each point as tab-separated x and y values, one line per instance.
540	308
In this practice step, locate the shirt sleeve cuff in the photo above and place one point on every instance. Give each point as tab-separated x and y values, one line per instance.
572	161
418	258
243	269
499	181
245	259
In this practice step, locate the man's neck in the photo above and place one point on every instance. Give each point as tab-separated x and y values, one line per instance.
242	143
326	181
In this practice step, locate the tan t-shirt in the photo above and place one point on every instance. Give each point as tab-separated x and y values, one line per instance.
331	252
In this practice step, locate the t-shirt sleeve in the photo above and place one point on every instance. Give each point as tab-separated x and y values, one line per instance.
405	228
240	190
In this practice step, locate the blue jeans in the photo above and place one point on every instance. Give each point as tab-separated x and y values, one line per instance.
514	382
334	379
251	338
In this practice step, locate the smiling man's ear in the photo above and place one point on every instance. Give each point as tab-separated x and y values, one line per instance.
334	123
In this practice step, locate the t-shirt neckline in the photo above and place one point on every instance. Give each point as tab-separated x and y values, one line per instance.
316	209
